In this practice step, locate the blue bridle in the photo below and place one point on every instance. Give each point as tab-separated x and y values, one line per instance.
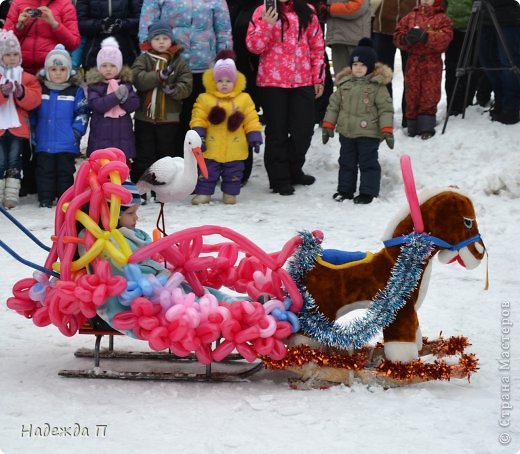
435	240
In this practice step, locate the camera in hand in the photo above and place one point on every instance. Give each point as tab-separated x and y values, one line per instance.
271	4
34	12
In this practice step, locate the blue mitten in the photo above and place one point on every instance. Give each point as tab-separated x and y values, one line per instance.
254	139
202	133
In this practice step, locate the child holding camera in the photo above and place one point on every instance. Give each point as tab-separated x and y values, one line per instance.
162	79
112	99
425	33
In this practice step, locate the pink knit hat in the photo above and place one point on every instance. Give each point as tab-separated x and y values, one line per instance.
9	43
225	66
110	53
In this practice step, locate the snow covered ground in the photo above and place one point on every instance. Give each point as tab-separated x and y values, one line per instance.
264	415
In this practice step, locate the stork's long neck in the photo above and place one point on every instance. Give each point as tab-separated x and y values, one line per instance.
190	164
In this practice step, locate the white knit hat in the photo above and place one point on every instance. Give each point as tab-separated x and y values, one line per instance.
58	57
110	53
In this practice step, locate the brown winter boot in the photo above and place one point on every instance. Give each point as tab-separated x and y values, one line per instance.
12	189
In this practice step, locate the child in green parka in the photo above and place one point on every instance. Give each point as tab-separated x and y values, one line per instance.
362	112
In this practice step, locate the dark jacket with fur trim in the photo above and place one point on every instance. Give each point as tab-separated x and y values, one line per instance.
222	144
361	107
106	131
154	103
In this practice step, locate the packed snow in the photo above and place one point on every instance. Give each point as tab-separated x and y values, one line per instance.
263	415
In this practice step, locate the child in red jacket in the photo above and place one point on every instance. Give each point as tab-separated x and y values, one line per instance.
425	34
20	92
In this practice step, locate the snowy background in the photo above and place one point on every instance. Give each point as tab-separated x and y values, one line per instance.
263	415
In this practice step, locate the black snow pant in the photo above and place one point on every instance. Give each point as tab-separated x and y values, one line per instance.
54	174
153	141
185	117
289	117
361	153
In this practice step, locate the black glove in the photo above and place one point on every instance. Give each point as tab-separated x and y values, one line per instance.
389	139
110	25
323	12
415	35
326	134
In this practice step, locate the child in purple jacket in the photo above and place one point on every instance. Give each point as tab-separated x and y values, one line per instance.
112	99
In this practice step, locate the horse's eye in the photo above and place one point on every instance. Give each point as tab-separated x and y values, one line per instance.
468	223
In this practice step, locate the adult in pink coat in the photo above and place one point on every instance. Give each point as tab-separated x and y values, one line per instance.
39	32
290	76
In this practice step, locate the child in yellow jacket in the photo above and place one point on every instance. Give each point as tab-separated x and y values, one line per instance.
226	119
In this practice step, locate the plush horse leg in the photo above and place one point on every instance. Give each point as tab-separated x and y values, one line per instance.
402	336
300	339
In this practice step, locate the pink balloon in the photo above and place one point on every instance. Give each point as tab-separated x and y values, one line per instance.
203	354
124	321
411	193
41	317
159	339
223	350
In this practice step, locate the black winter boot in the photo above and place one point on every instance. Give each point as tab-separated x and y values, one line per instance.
426	126
412	128
363	199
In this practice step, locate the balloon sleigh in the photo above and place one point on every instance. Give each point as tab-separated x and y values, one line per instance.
189	298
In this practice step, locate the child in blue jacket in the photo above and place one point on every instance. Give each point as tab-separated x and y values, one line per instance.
59	123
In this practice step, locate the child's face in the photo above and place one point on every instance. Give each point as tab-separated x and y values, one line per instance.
108	71
161	43
11	59
58	74
129	218
427	2
359	69
225	85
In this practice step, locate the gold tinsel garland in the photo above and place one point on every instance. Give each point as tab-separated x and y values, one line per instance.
415	370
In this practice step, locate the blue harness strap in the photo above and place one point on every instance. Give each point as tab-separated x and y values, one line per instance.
24	229
33	265
435	240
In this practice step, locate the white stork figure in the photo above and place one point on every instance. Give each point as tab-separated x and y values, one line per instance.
175	178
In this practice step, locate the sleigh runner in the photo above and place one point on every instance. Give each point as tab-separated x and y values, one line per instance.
187	308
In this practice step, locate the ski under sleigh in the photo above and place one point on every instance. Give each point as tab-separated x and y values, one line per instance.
232	302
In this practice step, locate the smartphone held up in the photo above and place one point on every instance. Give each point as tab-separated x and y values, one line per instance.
271	4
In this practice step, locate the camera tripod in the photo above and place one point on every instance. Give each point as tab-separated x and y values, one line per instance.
468	59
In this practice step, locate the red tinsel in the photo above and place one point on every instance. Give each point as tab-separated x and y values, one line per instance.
414	371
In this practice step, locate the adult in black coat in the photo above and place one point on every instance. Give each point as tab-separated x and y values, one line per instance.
505	82
240	13
99	19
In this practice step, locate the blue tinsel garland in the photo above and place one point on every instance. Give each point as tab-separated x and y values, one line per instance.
403	281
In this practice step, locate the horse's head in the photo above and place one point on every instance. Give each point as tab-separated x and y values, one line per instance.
448	216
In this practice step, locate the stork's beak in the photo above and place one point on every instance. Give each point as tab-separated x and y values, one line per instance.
200	161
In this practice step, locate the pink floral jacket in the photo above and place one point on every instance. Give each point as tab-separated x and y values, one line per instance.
287	60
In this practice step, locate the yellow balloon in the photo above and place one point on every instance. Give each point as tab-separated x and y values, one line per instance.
122	243
89	255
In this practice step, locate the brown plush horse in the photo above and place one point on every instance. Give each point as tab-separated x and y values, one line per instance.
337	289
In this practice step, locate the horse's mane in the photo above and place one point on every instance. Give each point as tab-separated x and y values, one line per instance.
423	196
